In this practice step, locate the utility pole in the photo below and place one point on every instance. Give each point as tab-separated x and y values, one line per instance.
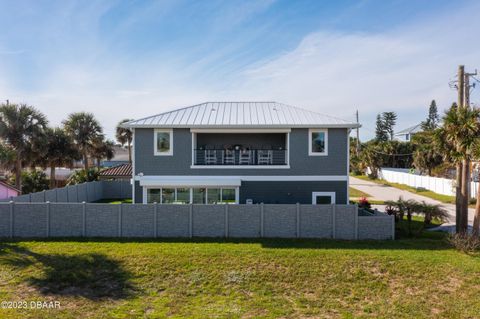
358	136
8	102
459	167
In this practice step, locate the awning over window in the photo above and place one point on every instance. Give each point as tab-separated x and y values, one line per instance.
188	181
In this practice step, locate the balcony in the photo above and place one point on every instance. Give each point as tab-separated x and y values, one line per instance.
240	157
240	150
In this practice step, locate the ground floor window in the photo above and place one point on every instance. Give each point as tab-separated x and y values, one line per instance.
323	198
195	195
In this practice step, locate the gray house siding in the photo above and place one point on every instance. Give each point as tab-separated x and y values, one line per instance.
288	192
300	162
281	192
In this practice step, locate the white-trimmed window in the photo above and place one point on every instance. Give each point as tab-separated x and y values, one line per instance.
318	142
163	142
323	198
188	195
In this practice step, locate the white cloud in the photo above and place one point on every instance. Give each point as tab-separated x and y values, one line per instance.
329	71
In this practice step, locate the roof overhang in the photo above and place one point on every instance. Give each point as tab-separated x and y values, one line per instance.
178	181
244	127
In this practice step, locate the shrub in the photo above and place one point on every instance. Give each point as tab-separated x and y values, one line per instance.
34	181
464	242
364	203
82	176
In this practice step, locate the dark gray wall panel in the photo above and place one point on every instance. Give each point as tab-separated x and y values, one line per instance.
280	221
209	221
316	221
345	221
66	220
4	220
282	192
301	164
102	220
72	194
173	220
30	220
138	221
244	221
38	197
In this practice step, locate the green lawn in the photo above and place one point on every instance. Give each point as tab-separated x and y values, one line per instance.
115	201
406	278
355	193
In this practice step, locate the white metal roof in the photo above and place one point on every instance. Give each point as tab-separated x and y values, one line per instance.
240	115
411	130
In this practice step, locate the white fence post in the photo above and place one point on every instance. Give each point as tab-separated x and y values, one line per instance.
48	218
12	216
261	220
334	217
84	219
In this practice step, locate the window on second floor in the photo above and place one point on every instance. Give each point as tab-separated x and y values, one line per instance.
163	142
318	142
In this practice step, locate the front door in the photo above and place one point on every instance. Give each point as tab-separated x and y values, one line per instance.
323	198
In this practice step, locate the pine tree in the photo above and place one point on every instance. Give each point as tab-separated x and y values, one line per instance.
432	120
380	132
389	121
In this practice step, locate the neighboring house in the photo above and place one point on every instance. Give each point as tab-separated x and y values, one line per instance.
406	134
120	157
119	172
7	191
241	152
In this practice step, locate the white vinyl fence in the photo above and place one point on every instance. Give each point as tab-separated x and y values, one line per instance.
435	184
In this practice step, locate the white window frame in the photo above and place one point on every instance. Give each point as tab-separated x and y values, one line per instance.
331	194
324	153
155	136
237	193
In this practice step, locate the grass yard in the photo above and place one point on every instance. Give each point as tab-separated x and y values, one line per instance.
407	278
115	201
355	193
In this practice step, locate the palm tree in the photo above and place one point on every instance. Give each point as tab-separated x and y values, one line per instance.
20	127
59	151
7	157
460	133
125	136
84	129
431	212
103	149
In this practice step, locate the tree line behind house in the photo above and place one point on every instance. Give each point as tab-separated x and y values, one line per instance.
28	143
428	151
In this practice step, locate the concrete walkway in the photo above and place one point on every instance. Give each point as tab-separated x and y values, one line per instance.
382	192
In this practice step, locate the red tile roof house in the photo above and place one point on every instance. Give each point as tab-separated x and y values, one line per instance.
7	191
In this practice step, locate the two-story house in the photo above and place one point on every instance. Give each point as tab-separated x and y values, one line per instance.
240	152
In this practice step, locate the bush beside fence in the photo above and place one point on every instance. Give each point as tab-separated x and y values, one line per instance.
154	220
85	192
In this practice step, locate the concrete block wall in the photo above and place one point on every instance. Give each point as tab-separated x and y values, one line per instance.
153	220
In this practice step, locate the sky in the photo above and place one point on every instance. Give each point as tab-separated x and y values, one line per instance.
131	59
